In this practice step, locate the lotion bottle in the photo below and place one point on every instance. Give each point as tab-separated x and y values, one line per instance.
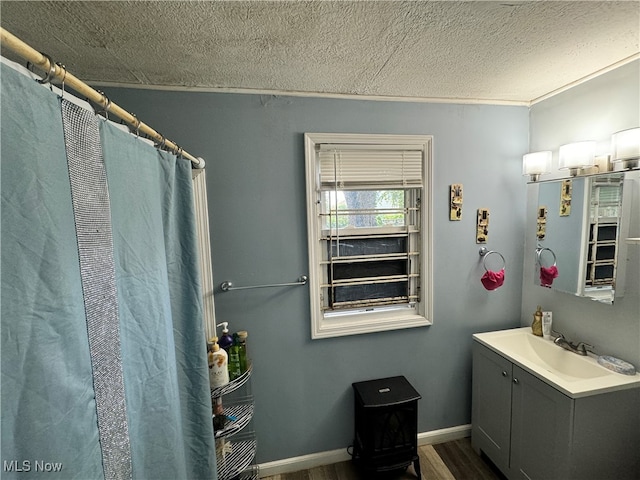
218	365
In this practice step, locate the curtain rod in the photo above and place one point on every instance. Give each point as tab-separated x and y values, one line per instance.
60	73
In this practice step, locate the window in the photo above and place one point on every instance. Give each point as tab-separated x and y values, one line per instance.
368	219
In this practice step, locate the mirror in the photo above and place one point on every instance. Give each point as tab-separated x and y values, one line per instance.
582	230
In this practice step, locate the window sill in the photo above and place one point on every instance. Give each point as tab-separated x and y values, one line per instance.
355	324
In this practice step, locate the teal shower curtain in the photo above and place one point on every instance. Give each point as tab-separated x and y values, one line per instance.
104	368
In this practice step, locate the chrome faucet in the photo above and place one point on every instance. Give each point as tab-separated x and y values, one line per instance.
581	348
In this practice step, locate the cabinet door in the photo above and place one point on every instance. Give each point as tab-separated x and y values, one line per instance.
491	411
542	419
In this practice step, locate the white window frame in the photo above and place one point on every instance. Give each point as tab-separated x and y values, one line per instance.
199	179
336	324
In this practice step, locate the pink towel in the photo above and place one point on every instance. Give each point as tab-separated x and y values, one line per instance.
492	280
547	274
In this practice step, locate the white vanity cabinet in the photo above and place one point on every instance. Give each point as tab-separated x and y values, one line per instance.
531	430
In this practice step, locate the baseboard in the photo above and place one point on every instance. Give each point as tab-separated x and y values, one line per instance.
303	462
444	435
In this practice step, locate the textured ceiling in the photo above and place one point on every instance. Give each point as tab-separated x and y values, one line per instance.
477	50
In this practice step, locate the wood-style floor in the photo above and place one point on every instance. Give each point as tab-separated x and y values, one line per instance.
454	460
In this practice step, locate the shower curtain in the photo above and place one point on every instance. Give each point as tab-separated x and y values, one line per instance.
104	368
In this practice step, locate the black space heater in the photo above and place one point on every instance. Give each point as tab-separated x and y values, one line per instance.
386	425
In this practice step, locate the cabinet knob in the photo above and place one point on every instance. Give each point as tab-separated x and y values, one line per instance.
504	373
516	381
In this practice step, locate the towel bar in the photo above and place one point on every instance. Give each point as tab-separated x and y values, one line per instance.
227	285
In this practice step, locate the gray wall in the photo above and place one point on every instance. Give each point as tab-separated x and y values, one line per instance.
253	145
591	111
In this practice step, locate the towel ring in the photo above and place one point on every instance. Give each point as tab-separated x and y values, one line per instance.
539	256
484	253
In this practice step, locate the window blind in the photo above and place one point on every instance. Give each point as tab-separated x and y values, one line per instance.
608	195
363	167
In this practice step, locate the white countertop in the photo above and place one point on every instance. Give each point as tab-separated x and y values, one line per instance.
572	374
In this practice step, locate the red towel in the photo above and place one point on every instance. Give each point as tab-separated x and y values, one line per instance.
547	274
492	280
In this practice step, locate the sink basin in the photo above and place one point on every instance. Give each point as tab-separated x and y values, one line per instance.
549	356
573	374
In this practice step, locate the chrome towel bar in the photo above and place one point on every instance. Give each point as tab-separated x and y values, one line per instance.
227	286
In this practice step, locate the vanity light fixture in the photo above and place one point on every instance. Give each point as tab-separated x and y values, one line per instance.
626	147
602	163
574	156
535	164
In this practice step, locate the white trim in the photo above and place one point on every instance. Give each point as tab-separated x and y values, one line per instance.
204	251
326	327
444	435
303	462
375	98
591	76
382	321
296	93
584	236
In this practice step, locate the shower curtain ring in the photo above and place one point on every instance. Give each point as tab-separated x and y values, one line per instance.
136	124
64	75
160	145
51	72
106	106
179	151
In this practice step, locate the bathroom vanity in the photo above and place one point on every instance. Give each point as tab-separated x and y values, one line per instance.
542	413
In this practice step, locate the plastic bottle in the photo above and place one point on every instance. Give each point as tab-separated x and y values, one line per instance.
226	340
244	357
234	358
218	365
210	356
219	418
547	320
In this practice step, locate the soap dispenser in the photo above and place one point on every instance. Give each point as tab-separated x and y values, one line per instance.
226	340
536	326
